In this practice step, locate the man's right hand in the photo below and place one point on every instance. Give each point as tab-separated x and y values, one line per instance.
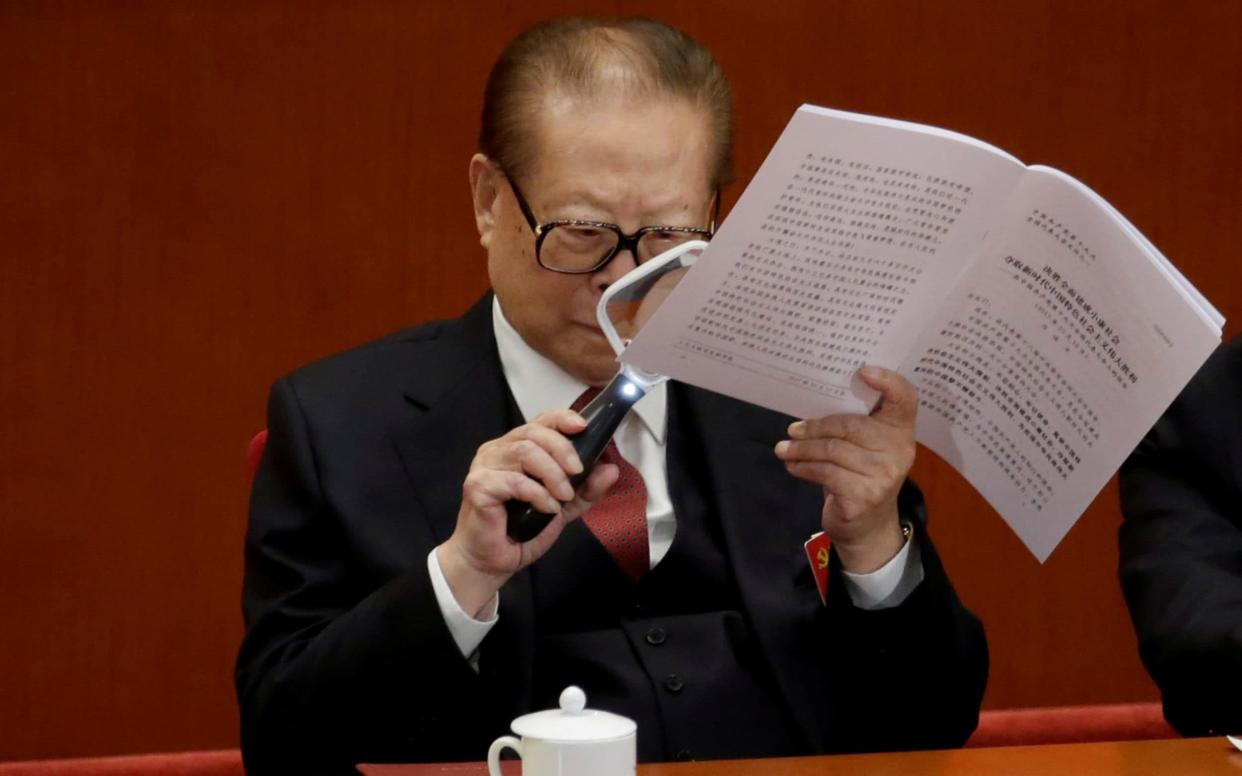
531	463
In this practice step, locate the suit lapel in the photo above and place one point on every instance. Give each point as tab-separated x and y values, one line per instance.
765	516
458	400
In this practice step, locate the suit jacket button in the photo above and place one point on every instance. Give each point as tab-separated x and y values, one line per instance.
656	636
684	755
673	683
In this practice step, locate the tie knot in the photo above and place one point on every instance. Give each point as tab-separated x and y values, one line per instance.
584	399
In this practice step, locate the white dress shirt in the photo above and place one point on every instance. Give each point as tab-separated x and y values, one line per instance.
538	385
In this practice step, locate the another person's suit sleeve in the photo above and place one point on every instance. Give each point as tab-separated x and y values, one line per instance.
1181	549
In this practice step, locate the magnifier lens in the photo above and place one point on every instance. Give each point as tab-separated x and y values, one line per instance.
630	307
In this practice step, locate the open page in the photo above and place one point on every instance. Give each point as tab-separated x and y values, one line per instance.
1054	356
1209	312
846	241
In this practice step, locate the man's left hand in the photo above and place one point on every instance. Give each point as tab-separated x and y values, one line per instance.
861	462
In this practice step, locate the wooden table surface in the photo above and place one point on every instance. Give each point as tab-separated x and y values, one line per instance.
1197	756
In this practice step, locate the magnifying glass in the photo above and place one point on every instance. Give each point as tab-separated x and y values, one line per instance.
625	307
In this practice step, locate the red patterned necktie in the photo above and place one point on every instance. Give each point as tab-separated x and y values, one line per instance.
619	519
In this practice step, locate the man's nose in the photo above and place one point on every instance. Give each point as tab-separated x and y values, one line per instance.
623	262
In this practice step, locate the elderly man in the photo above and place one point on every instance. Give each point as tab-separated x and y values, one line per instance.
389	615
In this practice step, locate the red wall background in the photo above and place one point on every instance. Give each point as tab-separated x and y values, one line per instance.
196	197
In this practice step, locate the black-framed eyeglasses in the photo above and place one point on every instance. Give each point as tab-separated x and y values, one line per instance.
579	247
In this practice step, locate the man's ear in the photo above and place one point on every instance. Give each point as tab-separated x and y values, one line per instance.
485	183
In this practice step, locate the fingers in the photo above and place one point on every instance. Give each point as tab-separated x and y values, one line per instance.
596	485
603	477
549	430
533	464
534	460
538	494
837	451
859	430
538	450
566	421
826	461
858	458
843	484
889	423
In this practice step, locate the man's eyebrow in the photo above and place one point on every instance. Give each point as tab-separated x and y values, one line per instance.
581	199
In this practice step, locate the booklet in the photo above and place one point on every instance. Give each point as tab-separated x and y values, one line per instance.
1045	334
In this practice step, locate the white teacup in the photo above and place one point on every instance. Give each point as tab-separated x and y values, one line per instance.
570	741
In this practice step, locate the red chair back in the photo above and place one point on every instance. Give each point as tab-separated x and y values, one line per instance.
1071	724
222	763
254	451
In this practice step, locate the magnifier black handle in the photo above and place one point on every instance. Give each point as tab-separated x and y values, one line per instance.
603	415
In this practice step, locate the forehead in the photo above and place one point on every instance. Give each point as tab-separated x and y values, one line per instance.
623	152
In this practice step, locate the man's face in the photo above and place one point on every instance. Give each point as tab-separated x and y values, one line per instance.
621	162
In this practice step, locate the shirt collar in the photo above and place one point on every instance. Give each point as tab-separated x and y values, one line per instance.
539	385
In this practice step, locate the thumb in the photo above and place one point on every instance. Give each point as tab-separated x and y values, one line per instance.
899	399
601	480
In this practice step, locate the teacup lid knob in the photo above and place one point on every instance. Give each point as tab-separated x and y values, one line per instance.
573	699
573	722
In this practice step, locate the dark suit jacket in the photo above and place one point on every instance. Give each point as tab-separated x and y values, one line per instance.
347	658
1181	549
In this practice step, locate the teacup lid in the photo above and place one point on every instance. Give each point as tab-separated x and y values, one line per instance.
573	721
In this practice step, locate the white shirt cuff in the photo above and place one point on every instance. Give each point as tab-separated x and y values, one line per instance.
891	583
467	632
